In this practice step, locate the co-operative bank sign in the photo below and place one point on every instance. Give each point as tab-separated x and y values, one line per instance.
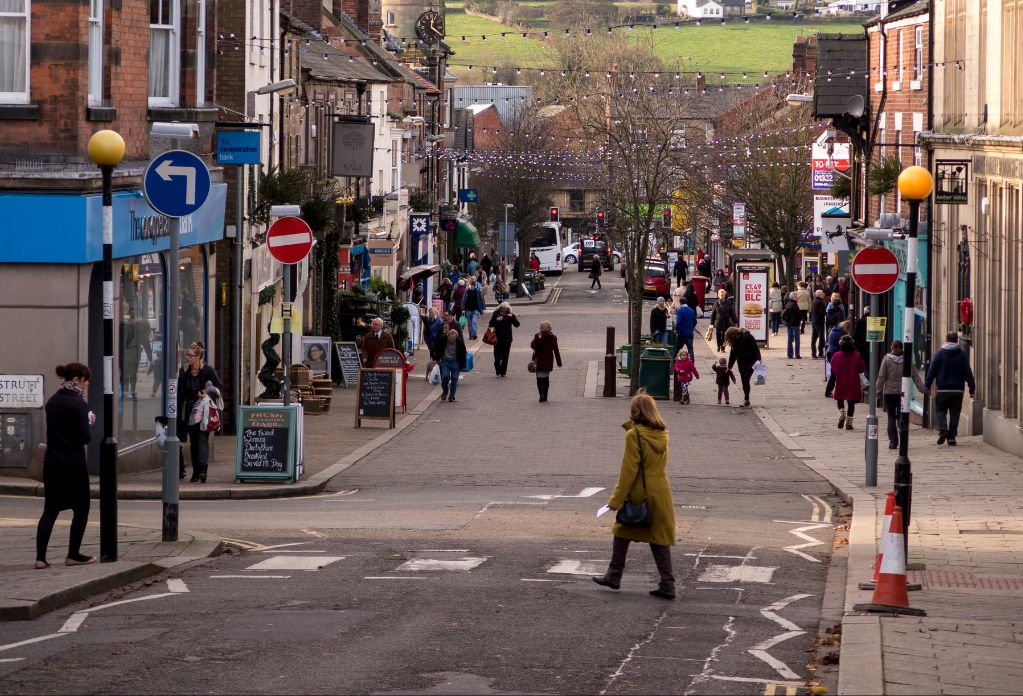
823	162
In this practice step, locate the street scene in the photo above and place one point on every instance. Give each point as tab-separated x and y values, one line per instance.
539	346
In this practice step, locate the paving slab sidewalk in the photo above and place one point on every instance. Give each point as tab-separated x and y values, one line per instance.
965	544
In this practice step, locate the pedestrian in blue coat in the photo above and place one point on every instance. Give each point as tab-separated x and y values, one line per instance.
685	327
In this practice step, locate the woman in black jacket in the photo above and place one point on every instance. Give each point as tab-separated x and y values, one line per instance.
595	271
721	317
65	476
502	322
192	379
659	321
745	351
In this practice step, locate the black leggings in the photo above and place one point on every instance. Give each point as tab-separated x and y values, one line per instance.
501	351
849	406
78	523
745	374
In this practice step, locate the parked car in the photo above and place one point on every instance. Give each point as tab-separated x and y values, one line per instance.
656	280
589	247
570	254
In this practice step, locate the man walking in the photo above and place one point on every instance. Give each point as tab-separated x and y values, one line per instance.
818	333
685	327
680	270
950	368
473	305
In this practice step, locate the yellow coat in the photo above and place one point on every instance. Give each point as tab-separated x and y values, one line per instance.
658	490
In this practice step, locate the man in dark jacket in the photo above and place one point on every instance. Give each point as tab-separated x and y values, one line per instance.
818	333
449	350
659	321
792	318
681	270
949	368
595	271
704	267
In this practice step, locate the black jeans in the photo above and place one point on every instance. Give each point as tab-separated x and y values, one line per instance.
817	338
850	406
947	406
198	448
662	557
78	524
831	380
596	281
893	406
502	349
719	333
745	374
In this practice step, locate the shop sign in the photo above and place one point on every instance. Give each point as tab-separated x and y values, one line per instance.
823	162
21	391
952	181
381	252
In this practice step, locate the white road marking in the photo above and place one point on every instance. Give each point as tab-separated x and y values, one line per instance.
74	622
538	580
754	680
742	573
635	648
768	612
730	634
760	651
312	532
747	557
12	646
301	551
466	563
265	549
250	577
11	659
177	585
584	493
393	577
570	567
810	541
295	563
443	550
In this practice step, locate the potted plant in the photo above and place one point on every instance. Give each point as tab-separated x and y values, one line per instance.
538	280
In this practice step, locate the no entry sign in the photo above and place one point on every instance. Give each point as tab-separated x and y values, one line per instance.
875	270
289	239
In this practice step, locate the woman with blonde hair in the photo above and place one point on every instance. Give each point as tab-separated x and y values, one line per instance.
545	353
192	379
643	479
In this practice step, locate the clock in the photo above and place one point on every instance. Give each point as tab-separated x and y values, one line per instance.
430	27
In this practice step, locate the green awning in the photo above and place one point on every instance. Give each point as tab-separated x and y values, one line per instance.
467	235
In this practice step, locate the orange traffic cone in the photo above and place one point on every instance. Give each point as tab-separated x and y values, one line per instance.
890	596
889	506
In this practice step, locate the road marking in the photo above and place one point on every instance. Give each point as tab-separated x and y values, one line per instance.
814	512
264	549
570	567
312	532
701	554
538	580
760	651
443	551
754	680
393	577
584	493
554	296
11	659
11	646
742	573
74	622
768	612
296	563
466	563
810	541
635	648
301	551
826	507
251	577
707	672
177	585
772	688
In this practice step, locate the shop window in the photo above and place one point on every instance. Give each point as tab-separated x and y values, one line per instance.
140	348
14	51
576	201
192	302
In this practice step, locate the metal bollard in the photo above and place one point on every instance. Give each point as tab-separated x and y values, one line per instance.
609	364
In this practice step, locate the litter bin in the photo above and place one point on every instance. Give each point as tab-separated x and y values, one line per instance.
655	372
700	288
625	358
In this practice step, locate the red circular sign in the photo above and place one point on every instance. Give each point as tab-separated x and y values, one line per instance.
289	239
875	270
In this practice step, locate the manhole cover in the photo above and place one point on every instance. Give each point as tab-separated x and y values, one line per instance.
963	580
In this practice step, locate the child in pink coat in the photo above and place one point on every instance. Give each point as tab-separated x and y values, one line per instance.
685	370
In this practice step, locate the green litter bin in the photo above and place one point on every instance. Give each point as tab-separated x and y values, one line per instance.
624	354
655	372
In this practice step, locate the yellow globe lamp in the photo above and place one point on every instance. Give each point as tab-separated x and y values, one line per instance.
106	148
915	183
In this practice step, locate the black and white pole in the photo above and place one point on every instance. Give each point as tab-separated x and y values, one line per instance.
106	148
915	184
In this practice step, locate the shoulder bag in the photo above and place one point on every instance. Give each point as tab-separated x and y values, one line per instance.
636	514
490	336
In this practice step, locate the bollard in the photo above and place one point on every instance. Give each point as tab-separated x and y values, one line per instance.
610	368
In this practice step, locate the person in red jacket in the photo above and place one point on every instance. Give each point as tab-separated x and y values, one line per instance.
545	353
685	371
846	366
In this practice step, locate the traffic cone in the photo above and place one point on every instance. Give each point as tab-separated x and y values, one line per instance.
889	506
890	595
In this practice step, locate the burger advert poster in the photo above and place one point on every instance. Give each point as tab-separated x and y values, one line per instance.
752	292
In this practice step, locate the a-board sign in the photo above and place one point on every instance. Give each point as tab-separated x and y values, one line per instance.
266	447
349	362
375	400
392	358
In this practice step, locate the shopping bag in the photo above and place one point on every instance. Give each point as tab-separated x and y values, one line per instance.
827	370
709	336
760	373
864	382
435	374
468	362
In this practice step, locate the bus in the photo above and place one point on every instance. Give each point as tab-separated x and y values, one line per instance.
546	244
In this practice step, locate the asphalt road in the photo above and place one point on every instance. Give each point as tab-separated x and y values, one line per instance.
457	559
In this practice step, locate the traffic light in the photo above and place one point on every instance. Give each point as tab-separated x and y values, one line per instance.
600	218
554	215
666	218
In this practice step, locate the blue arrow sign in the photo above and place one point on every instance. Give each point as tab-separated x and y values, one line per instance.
468	195
176	183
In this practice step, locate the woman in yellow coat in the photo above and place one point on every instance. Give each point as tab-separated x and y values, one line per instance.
646	441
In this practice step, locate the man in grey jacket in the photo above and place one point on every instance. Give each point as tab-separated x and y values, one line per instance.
950	369
889	386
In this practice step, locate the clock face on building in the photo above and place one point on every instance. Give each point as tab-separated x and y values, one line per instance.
430	27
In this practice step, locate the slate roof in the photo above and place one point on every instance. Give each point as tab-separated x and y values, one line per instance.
839	56
902	11
326	63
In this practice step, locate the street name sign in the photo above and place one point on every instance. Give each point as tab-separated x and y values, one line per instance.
289	239
875	270
176	183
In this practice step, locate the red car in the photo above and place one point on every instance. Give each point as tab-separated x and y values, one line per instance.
656	280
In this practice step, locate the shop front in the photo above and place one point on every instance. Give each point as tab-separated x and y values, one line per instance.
897	310
56	297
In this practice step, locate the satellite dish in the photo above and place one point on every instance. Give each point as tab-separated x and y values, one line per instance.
855	107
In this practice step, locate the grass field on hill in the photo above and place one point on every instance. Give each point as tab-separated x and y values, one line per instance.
755	47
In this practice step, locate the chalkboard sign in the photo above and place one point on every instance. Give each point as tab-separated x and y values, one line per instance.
348	361
266	447
376	396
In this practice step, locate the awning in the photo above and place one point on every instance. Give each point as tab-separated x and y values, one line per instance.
467	235
357	249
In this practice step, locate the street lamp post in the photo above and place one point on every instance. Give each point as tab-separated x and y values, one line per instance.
106	149
915	185
506	206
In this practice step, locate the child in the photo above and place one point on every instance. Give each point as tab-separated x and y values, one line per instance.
685	369
723	375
